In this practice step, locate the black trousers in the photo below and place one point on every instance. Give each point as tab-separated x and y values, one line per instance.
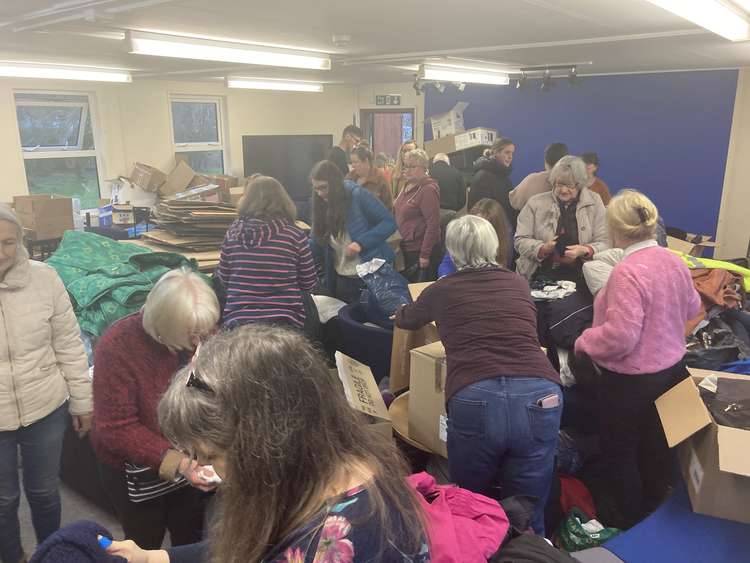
181	512
640	465
413	273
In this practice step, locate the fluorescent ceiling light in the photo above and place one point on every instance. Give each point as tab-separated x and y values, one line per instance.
446	74
273	84
224	51
714	15
36	70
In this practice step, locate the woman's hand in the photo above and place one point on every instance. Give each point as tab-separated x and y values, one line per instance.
549	247
193	473
131	552
81	423
576	251
353	250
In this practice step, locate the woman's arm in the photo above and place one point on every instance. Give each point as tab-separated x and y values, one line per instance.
429	205
69	351
600	240
306	274
525	241
382	223
417	314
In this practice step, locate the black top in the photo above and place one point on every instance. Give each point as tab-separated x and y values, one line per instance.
339	158
452	185
486	320
492	179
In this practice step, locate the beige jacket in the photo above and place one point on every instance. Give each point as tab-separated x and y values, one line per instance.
42	359
537	224
533	184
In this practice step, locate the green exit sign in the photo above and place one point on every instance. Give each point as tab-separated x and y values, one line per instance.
388	100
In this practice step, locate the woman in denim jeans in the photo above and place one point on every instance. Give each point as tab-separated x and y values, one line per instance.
43	377
503	397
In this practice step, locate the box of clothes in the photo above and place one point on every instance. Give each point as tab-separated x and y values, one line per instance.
707	417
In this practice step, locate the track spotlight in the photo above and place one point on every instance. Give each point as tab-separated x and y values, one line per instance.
573	77
439	86
546	81
461	86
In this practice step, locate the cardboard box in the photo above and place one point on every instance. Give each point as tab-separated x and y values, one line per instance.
714	459
177	180
147	177
477	137
363	394
428	421
399	413
692	248
44	217
123	191
116	215
235	195
210	193
450	122
445	145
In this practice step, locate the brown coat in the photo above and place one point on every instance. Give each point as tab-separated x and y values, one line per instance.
377	184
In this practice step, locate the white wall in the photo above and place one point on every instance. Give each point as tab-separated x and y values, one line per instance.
733	231
132	121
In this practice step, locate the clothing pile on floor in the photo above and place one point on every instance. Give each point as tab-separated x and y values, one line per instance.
107	279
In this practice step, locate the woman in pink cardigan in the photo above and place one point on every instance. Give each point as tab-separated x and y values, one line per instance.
638	341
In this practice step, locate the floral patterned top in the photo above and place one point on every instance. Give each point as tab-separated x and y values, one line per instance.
343	534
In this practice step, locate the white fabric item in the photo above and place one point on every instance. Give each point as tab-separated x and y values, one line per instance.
369	267
328	307
592	526
596	272
640	246
558	291
345	265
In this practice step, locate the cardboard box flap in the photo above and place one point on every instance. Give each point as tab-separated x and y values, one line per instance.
434	350
682	412
734	445
416	289
359	385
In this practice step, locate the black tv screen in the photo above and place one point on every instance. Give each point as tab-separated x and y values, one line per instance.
289	159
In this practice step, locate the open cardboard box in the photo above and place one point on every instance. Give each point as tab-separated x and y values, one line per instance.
450	122
692	248
404	341
363	394
714	459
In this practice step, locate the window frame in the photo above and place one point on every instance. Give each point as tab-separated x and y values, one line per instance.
89	110
221	145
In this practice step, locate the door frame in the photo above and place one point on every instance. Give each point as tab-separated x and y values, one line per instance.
366	113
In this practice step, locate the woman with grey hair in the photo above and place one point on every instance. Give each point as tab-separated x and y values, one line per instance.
145	478
558	230
504	399
43	376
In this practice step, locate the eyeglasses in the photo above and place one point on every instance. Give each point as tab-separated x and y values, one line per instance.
569	186
410	166
193	379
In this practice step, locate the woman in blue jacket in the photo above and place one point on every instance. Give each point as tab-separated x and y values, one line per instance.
350	226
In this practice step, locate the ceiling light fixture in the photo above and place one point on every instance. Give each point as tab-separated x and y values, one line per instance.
273	84
141	43
450	74
59	72
714	15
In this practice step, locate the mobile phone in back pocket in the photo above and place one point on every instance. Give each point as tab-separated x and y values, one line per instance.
549	402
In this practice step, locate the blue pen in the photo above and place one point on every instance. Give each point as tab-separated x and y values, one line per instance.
104	542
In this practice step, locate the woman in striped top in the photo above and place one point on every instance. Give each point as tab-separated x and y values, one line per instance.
265	261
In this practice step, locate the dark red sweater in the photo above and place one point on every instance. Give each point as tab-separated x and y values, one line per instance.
131	372
486	320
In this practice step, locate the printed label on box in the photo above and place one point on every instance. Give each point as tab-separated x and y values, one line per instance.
695	470
443	428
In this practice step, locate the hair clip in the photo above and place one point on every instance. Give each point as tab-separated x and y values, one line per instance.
193	379
642	214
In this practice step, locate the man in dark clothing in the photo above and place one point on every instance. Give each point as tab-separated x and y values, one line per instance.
492	177
450	181
339	154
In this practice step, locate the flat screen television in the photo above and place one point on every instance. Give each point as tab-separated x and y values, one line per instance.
289	159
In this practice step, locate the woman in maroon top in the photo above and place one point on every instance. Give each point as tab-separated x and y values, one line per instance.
417	211
503	397
134	363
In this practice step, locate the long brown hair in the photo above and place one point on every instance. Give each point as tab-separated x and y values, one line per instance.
399	167
329	217
266	198
268	402
492	211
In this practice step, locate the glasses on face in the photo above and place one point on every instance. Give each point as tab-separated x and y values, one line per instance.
412	166
560	185
194	379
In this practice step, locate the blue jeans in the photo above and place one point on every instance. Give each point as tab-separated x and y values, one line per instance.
501	442
41	447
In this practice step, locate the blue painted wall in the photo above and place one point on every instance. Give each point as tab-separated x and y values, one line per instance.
664	134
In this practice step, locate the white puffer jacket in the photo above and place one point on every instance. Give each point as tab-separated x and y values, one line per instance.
42	359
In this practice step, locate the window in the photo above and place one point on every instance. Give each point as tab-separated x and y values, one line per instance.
197	133
57	140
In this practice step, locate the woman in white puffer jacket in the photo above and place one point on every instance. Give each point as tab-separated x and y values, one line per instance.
43	375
